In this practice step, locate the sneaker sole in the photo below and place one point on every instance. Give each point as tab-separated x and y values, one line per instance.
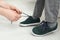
43	34
25	25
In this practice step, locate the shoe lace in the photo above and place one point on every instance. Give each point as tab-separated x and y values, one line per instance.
43	26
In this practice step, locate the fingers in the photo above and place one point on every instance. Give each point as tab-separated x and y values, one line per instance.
15	9
19	12
17	17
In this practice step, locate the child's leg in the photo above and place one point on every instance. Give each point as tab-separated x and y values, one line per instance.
51	11
39	6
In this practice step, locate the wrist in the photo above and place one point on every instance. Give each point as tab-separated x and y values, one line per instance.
2	11
1	0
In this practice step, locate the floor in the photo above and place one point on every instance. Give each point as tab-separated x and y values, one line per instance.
13	31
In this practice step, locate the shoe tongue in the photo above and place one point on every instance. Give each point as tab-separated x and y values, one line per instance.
43	22
30	17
